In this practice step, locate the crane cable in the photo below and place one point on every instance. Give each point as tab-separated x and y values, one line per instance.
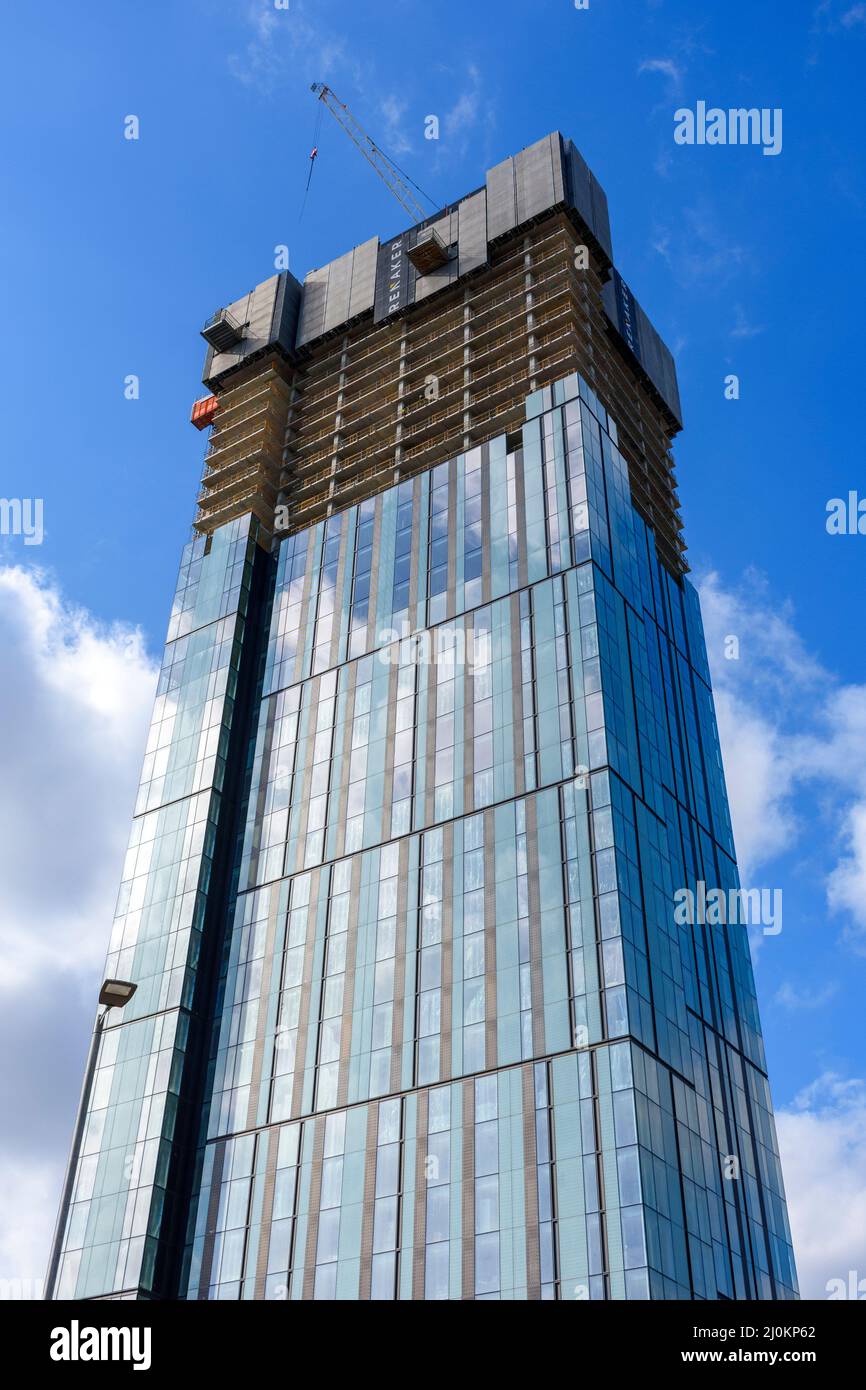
377	149
407	177
313	154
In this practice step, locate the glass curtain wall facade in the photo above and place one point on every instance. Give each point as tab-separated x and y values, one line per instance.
144	1108
451	1042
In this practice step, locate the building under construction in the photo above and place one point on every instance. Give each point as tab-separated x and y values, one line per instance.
414	1016
400	354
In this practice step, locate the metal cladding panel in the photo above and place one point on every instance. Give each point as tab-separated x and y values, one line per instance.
338	291
642	340
601	216
351	284
394	284
650	347
618	304
313	301
501	199
260	310
538	178
547	174
586	195
661	369
472	232
363	288
287	310
269	315
550	172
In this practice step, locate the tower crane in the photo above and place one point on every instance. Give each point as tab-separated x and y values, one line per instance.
389	172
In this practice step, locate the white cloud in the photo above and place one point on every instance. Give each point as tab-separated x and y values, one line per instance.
282	42
75	699
760	764
822	1139
667	67
791	997
463	115
661	244
699	249
396	140
743	326
760	778
789	729
830	18
847	883
29	1197
467	123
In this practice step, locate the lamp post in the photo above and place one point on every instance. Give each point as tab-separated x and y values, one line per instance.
115	994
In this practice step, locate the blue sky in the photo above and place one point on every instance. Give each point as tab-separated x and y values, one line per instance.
115	251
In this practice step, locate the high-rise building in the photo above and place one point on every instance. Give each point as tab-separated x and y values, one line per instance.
433	752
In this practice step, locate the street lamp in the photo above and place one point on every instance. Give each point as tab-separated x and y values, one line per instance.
114	994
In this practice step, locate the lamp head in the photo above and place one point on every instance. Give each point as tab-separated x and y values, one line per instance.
115	993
